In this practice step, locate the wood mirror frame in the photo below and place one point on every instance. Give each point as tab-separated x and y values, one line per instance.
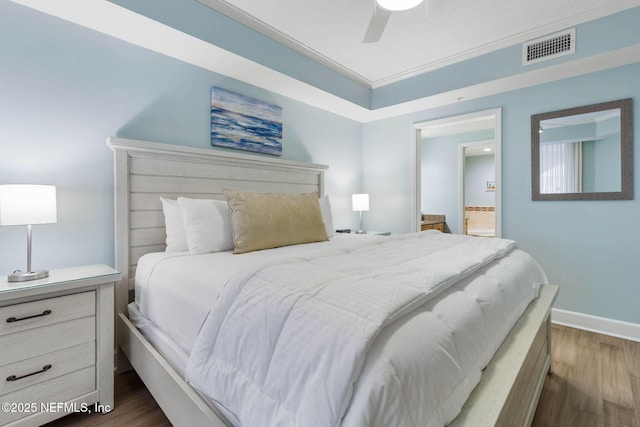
626	151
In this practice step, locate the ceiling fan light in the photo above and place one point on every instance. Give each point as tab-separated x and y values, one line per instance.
396	5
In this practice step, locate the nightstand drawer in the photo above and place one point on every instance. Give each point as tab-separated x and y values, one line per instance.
29	315
55	391
57	348
46	339
52	364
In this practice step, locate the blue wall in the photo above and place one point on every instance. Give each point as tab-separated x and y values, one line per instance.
439	175
588	248
201	21
64	89
601	164
611	32
479	170
594	37
439	180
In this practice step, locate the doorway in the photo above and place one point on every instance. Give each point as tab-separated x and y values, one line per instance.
457	172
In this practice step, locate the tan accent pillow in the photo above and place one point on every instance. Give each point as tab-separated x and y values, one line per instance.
271	220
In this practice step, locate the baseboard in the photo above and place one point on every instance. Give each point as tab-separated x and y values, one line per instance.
601	325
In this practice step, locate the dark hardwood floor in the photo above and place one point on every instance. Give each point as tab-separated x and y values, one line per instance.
134	407
595	382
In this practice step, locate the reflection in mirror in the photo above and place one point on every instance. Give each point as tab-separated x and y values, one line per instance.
583	153
580	153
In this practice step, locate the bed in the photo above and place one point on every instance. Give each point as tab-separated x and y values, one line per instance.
508	388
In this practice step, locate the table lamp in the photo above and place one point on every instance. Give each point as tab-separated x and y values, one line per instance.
27	205
360	202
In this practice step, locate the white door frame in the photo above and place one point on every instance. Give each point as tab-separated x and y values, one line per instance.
416	154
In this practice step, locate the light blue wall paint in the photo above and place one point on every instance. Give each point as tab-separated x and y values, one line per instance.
64	89
583	132
465	137
192	17
589	161
387	175
594	266
601	165
601	156
479	170
608	33
607	167
611	32
440	176
439	180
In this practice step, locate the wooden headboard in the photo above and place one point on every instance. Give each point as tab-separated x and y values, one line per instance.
146	171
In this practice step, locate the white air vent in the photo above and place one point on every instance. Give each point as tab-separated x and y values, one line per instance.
548	47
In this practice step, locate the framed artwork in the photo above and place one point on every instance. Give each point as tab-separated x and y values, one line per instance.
490	186
245	123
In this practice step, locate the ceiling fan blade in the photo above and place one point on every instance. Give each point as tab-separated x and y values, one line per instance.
377	24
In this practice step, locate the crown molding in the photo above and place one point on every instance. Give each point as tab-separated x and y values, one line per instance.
522	37
265	29
604	61
254	23
122	23
119	22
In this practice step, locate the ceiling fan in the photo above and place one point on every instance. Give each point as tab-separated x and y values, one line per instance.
382	12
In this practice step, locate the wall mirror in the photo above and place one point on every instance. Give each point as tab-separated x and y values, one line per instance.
583	153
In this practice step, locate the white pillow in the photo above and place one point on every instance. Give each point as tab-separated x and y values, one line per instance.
174	226
327	217
207	224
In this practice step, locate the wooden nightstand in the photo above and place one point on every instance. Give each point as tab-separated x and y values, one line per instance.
433	222
432	226
56	345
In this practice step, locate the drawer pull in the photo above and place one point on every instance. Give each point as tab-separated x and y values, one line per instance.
14	319
14	378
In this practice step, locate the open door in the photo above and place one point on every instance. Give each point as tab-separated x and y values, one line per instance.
443	149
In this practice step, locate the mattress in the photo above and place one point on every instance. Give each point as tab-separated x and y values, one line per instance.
174	293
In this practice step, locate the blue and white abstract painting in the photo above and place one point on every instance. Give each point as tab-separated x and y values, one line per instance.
245	123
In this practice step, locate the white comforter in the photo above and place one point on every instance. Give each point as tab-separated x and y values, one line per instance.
292	344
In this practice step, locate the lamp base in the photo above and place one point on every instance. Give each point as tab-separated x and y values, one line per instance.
24	276
361	232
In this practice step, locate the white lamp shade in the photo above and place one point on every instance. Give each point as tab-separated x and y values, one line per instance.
27	204
360	202
398	4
